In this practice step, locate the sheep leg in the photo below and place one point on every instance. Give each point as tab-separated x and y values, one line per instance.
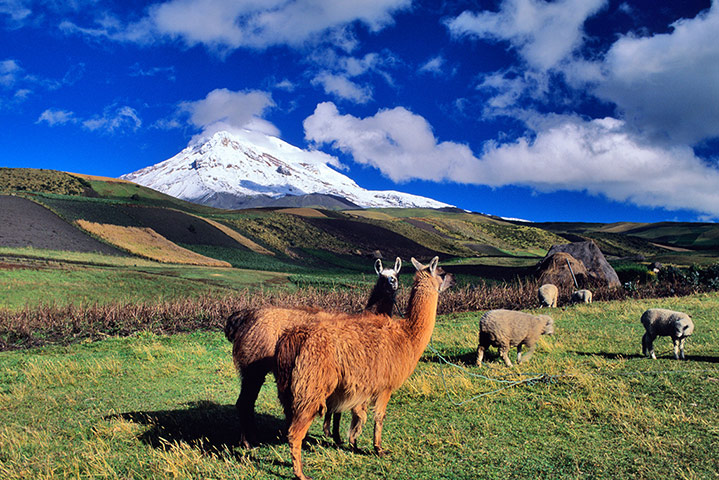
301	422
519	353
380	410
681	349
504	353
648	344
359	417
251	384
527	355
480	355
678	348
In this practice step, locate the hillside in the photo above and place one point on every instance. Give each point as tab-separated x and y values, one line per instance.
307	239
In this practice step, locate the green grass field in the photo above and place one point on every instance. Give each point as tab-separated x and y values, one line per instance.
59	278
150	406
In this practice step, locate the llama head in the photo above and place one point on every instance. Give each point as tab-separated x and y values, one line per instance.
388	277
440	278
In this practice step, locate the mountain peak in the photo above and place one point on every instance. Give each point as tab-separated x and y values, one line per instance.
248	164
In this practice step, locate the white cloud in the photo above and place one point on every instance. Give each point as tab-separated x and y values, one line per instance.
225	25
433	65
342	87
223	109
10	71
397	142
54	117
565	153
544	33
667	85
114	119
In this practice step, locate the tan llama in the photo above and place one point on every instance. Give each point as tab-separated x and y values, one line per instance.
254	333
347	362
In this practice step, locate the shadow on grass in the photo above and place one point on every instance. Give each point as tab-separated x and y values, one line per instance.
668	355
609	355
208	426
466	359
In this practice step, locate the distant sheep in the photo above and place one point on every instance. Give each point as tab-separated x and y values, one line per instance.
547	295
660	322
582	296
507	328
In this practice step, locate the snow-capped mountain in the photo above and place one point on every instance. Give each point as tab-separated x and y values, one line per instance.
234	170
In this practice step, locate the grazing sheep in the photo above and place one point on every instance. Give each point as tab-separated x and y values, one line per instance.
547	295
253	333
352	361
582	296
660	322
508	328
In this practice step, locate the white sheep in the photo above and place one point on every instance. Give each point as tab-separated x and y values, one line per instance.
662	322
547	295
508	328
582	296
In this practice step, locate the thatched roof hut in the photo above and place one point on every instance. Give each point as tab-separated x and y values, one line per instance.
555	269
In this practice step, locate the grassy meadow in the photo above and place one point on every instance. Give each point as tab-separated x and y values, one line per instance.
154	406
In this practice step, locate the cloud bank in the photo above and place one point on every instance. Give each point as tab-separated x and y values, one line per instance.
598	156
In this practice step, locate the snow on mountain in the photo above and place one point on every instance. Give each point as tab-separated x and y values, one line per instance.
249	164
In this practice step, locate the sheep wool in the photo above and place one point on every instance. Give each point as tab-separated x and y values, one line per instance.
582	296
547	295
660	322
507	328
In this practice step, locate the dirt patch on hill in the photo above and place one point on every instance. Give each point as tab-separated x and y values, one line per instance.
24	223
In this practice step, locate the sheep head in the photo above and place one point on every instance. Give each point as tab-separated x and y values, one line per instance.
683	327
548	326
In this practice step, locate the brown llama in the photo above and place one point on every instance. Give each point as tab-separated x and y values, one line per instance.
347	362
253	333
381	301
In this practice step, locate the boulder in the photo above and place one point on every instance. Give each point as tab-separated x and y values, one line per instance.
598	268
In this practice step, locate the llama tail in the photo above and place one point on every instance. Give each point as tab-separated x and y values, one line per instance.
236	321
288	349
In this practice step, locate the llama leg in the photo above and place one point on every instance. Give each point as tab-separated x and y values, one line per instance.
359	417
301	422
251	384
380	410
504	353
336	418
327	423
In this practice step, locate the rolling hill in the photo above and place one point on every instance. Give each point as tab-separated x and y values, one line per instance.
304	238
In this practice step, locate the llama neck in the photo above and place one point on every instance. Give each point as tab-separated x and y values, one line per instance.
379	301
421	312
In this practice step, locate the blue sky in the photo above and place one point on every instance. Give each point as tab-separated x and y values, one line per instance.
570	110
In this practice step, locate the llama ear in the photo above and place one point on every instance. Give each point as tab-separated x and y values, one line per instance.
378	266
416	264
433	265
397	265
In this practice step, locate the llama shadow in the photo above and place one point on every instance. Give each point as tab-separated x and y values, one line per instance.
208	426
467	359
